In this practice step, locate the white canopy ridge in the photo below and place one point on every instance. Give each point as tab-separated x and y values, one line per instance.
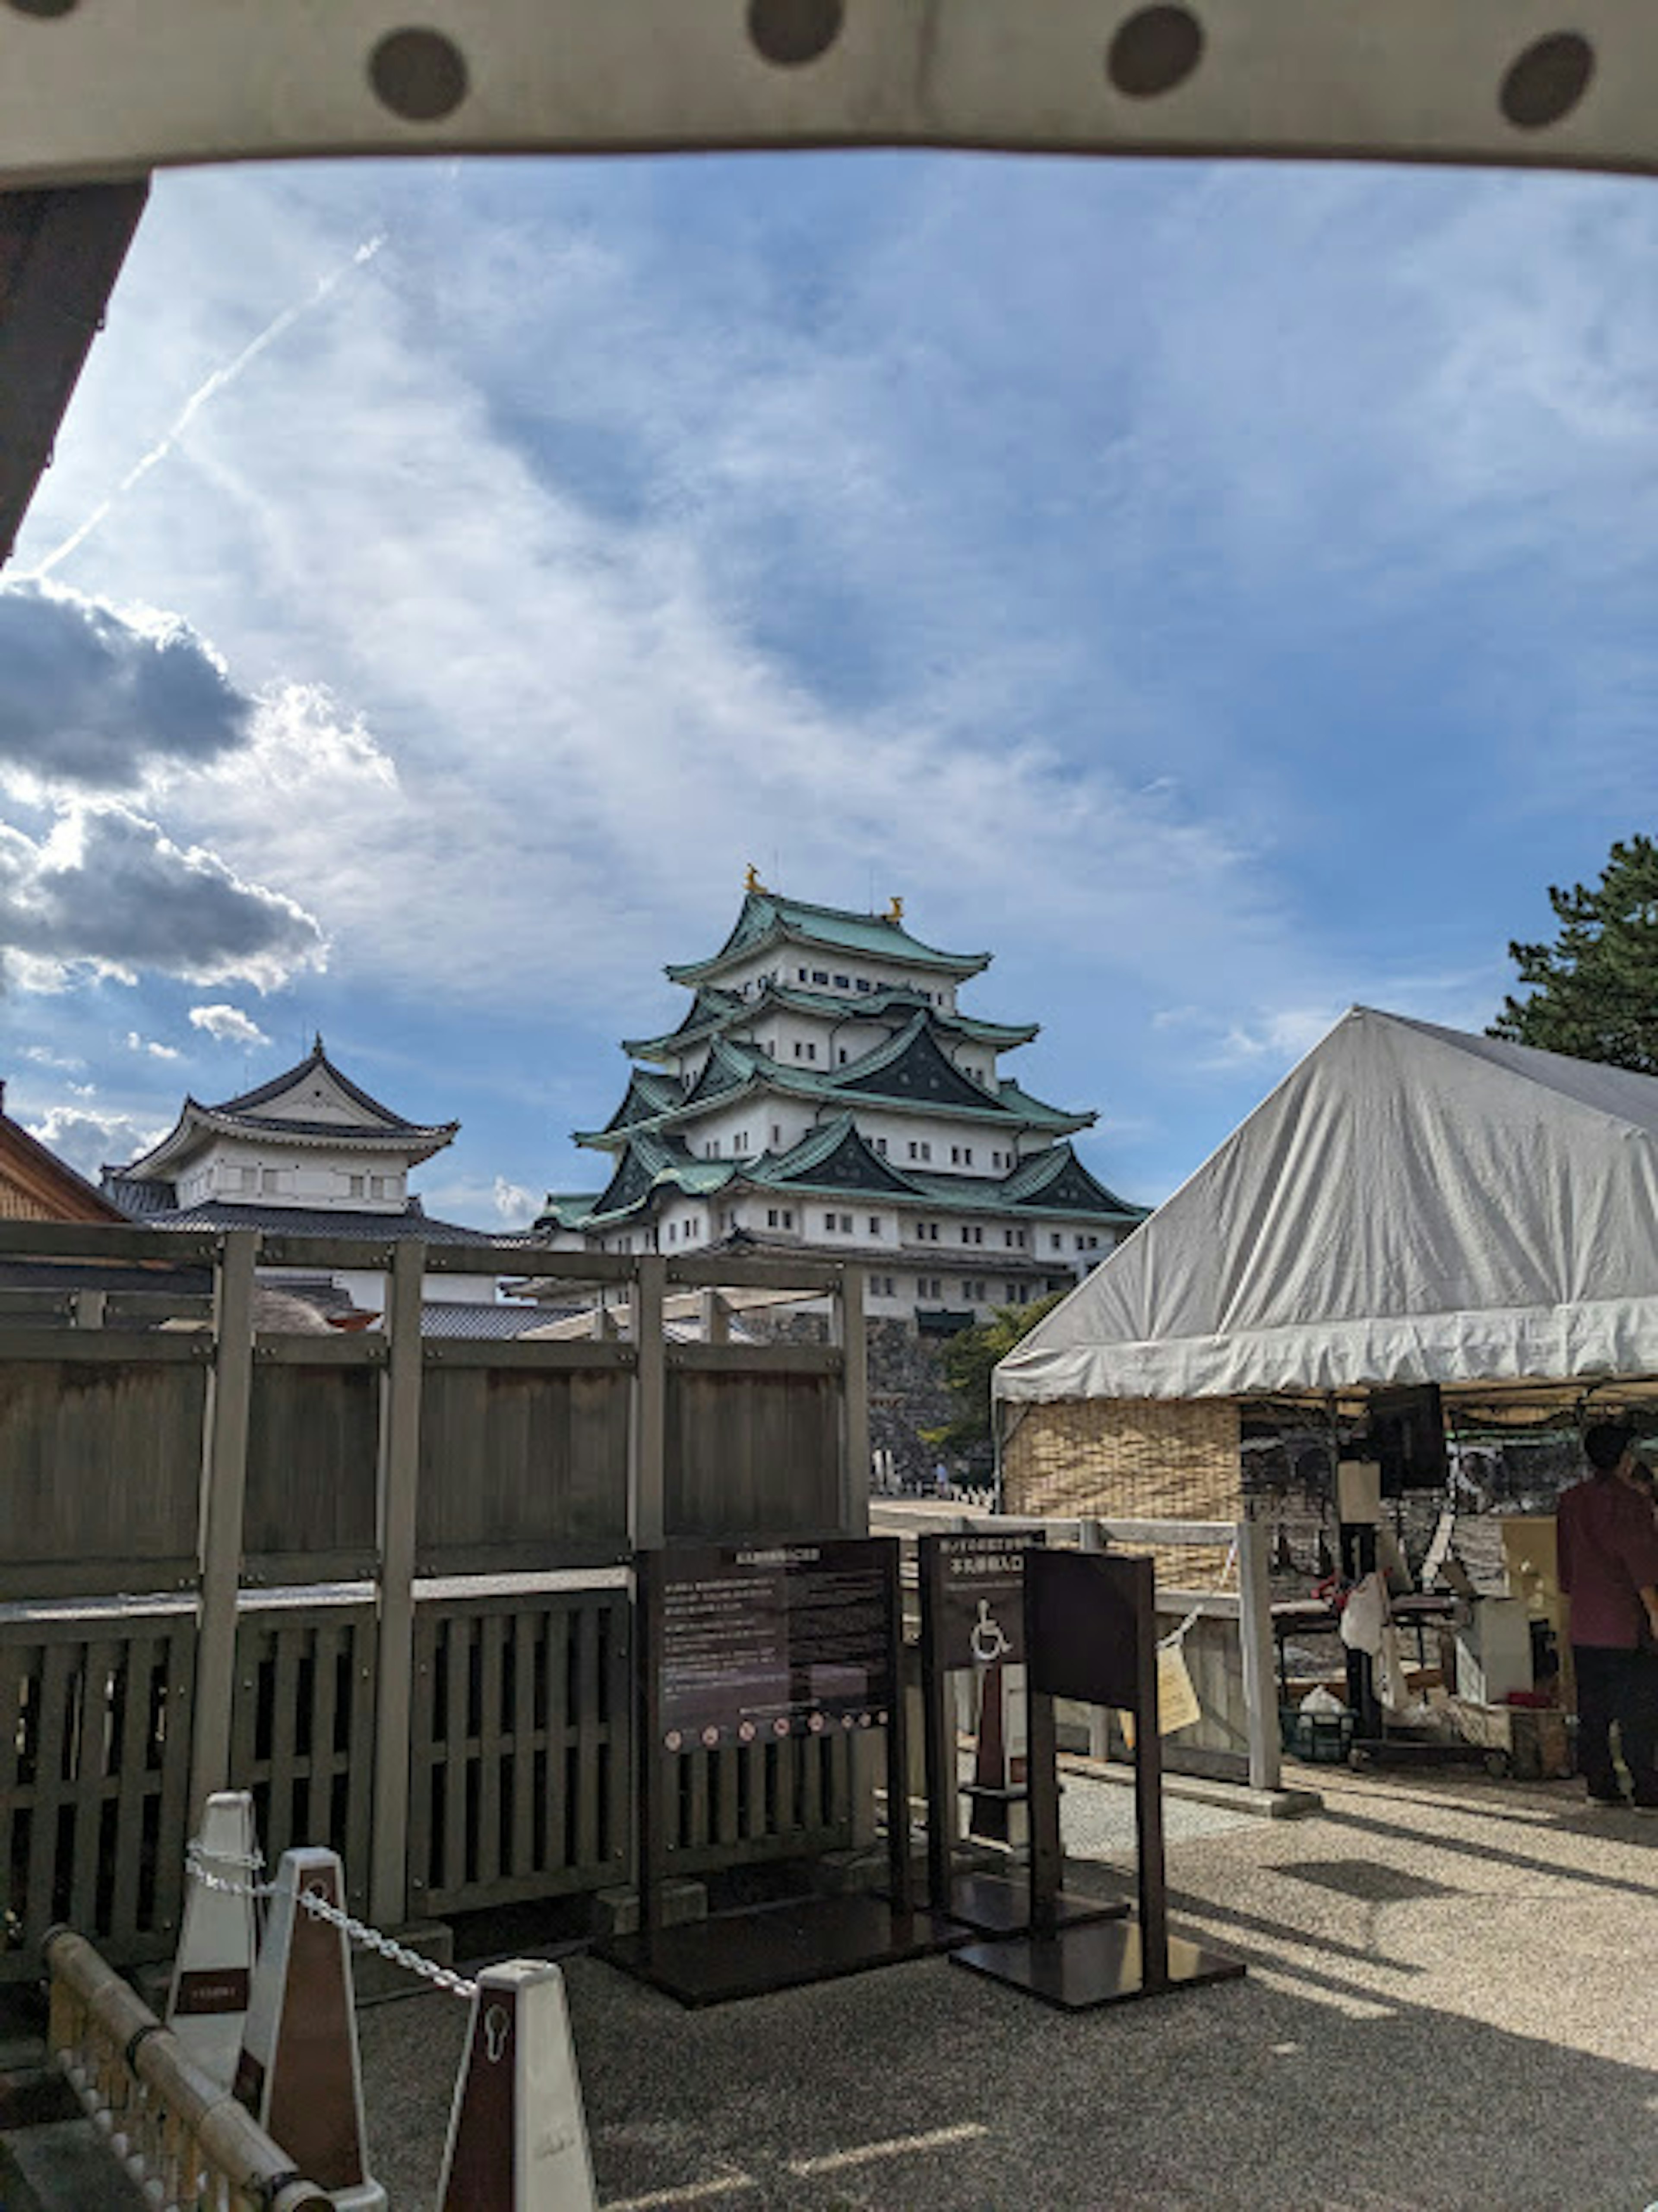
1410	1204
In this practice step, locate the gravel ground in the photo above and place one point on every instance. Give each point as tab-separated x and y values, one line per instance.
1452	2005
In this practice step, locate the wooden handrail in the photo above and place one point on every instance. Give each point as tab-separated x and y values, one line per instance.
169	2121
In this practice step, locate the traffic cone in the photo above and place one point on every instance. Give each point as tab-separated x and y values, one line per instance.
213	1972
298	2073
518	2141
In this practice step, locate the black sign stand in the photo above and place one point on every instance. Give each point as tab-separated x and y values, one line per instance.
774	1947
973	1616
1091	1636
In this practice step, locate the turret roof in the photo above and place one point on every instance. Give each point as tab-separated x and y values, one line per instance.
766	918
375	1127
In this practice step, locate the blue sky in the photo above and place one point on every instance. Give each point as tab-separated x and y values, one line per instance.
1226	593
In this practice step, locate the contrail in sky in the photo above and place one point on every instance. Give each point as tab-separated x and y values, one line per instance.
208	390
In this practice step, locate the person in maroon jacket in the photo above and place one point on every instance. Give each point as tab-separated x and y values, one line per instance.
1608	1548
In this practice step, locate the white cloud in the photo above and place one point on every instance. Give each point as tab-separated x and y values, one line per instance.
42	1056
136	1043
517	1206
90	1138
228	1026
107	891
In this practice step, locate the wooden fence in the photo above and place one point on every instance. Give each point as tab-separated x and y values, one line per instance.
381	1580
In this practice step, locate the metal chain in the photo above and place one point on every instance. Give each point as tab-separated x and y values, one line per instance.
359	1931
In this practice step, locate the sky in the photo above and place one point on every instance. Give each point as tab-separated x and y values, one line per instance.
1223	592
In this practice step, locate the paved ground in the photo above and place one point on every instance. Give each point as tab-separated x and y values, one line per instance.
1452	2005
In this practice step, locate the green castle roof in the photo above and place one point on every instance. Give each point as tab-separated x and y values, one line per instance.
766	918
836	1161
910	1071
712	1011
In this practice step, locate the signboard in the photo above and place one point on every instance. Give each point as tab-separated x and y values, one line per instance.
1097	1644
976	1615
767	1641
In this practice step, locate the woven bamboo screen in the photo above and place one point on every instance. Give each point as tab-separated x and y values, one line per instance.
1131	1459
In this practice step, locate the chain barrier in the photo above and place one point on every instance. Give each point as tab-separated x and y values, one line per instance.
314	1903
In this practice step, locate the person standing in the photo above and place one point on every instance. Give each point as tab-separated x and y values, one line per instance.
1608	1553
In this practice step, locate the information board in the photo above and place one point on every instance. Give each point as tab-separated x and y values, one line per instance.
789	1639
977	1588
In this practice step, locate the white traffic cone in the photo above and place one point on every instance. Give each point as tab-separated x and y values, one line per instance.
299	2073
213	1972
518	2140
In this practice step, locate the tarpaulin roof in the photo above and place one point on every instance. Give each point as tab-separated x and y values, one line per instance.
1411	1204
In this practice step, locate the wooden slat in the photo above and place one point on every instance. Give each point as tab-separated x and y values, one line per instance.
493	1632
328	1642
525	1738
557	1356
140	1652
138	1347
556	1670
288	1639
180	1713
586	1714
364	1349
457	1632
71	1240
14	1665
619	1768
360	1754
100	1658
422	1755
56	1674
758	1359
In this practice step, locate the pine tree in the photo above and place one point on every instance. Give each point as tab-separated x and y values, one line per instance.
969	1357
1595	989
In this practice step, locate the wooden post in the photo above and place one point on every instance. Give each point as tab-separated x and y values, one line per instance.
89	1309
223	1500
397	1502
647	1489
852	1333
716	1318
1256	1641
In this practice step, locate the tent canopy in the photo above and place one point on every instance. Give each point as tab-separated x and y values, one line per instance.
1411	1204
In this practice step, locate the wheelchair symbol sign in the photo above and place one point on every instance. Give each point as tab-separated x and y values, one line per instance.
987	1639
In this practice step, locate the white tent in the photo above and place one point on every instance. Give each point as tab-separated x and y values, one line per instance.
1411	1204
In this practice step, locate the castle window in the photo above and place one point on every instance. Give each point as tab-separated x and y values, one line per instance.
875	1224
776	1137
843	983
820	974
863	984
1059	1242
880	1144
